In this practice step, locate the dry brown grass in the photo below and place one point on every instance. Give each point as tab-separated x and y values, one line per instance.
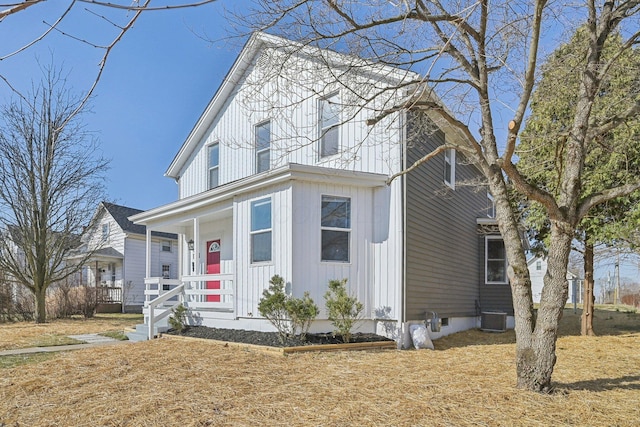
29	334
468	381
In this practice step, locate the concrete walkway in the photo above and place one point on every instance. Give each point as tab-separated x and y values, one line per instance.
92	340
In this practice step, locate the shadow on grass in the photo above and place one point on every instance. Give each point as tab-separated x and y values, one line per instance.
628	382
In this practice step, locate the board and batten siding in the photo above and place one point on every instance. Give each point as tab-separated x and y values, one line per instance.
253	278
294	118
371	272
441	238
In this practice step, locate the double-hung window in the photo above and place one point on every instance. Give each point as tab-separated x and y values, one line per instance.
263	147
329	125
166	271
491	206
261	230
335	228
105	232
450	167
214	165
495	260
166	246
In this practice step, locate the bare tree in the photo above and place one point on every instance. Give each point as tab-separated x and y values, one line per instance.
472	67
52	176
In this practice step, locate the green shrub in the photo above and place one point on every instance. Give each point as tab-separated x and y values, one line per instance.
178	318
290	316
273	307
301	311
345	311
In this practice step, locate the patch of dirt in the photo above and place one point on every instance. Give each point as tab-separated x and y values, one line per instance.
272	339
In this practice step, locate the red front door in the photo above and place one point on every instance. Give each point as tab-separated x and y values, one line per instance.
213	267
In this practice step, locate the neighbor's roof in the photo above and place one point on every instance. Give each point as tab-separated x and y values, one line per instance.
121	215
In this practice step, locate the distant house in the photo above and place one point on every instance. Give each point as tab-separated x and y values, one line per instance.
117	266
538	268
288	183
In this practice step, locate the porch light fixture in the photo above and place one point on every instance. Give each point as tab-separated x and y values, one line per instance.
190	244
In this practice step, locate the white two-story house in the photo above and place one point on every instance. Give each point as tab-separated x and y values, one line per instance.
117	265
285	173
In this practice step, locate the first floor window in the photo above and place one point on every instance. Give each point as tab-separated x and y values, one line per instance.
335	228
496	261
166	271
166	246
261	230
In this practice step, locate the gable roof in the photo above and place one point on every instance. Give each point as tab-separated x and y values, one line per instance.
251	49
121	215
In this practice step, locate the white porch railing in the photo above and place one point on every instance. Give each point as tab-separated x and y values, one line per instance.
191	291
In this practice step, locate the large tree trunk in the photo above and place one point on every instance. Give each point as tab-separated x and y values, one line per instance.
586	326
41	304
536	358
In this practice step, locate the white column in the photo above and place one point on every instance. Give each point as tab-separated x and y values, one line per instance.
148	267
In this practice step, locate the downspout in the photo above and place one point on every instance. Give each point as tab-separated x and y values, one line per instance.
123	276
401	237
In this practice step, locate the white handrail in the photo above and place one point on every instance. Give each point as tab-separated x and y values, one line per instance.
162	298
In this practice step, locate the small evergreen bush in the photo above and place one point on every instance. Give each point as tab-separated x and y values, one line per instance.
345	311
290	316
178	318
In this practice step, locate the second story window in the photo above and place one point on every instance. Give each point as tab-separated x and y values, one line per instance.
450	167
491	206
329	125
166	246
214	165
263	147
105	232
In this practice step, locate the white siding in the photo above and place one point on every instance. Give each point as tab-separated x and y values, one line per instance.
372	269
134	270
293	111
252	279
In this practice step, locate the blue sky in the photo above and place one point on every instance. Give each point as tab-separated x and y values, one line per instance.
156	83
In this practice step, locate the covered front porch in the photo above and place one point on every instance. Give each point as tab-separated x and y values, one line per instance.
205	282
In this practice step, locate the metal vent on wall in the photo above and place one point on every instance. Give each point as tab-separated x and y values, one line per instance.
494	321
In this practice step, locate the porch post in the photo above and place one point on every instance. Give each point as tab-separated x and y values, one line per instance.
148	266
196	244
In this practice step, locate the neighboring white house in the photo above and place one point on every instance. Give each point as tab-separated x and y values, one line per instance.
537	270
117	265
283	175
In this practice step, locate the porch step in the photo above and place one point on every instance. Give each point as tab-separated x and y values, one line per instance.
141	333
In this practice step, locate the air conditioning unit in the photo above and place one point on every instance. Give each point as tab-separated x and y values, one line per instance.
493	321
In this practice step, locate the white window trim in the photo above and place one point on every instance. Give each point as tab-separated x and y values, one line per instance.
258	152
260	231
106	231
164	244
346	230
210	168
321	129
450	157
486	262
